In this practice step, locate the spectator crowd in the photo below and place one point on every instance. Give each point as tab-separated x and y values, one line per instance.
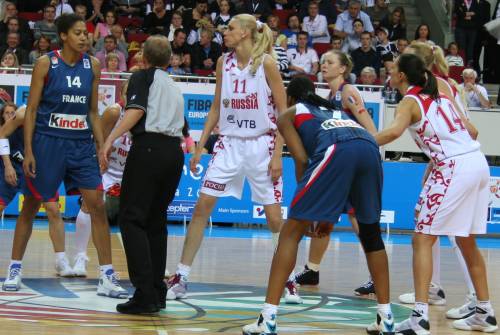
369	30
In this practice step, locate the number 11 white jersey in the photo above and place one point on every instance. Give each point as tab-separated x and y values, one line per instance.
440	133
246	105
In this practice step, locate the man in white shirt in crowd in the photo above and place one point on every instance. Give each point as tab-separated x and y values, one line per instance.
316	24
476	95
303	60
344	27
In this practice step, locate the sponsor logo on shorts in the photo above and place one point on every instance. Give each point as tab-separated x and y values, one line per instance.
67	121
214	186
230	118
226	103
258	212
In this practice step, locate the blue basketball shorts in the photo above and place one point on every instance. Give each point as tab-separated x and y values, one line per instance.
346	173
72	161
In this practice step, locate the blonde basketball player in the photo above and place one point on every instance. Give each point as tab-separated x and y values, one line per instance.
249	94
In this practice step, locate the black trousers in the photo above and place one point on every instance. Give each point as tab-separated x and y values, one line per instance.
151	176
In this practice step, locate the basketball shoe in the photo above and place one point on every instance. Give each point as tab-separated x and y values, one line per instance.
63	269
291	293
262	326
176	287
481	320
13	279
383	326
436	296
416	324
307	277
109	286
366	289
465	310
80	265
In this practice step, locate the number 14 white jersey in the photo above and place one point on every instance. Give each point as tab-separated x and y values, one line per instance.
246	105
440	133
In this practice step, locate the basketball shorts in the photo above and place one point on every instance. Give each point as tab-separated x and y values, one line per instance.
454	199
7	191
60	159
346	173
236	159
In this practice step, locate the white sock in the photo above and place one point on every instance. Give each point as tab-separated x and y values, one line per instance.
422	308
83	230
183	270
14	262
275	239
60	256
486	305
463	265
384	309
105	268
313	266
436	263
291	277
269	310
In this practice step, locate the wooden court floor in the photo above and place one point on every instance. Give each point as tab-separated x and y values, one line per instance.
229	279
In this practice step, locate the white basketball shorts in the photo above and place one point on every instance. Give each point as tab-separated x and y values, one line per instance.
236	159
454	199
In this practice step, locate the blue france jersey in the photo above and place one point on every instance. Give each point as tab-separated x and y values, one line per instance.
320	127
65	101
336	100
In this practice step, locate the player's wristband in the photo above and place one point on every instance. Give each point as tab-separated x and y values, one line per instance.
4	147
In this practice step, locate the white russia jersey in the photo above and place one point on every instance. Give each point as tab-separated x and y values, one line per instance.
246	104
440	133
118	158
456	95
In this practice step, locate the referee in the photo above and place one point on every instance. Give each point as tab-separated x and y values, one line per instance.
155	117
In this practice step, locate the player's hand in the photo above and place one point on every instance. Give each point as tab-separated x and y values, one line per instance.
10	176
320	230
275	168
194	161
29	165
104	156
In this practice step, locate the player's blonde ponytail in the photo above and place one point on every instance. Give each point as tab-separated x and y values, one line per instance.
432	55
262	39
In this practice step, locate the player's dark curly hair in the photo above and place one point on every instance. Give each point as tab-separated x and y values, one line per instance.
302	89
66	21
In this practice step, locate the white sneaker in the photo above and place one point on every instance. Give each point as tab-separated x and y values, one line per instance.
13	279
383	326
110	287
416	324
292	294
80	265
63	269
176	287
465	310
436	296
261	327
481	320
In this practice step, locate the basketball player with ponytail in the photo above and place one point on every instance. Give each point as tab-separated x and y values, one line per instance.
249	95
336	162
434	60
454	199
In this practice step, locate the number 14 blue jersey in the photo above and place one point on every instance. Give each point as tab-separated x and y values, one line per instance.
65	100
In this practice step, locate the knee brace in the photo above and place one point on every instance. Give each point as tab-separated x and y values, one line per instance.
371	237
